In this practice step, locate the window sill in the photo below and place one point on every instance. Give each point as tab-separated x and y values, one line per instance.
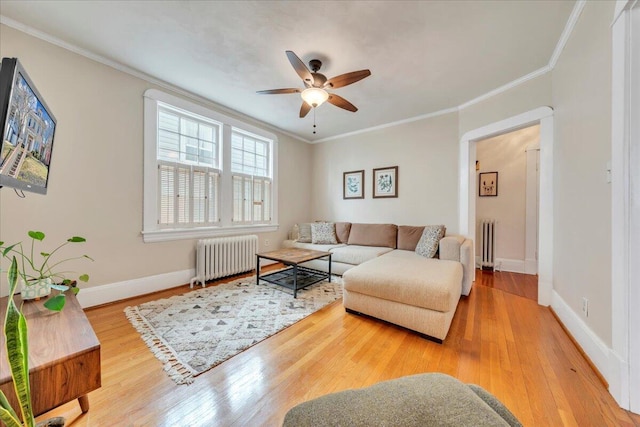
204	232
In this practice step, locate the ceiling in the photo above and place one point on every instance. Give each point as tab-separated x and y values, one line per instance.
424	56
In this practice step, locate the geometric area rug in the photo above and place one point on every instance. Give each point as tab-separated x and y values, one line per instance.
194	332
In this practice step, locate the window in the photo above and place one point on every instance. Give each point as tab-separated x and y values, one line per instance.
251	178
188	169
205	173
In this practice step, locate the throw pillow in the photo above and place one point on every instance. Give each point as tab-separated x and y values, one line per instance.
323	233
428	244
304	233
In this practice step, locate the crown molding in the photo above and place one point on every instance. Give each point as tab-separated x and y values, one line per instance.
139	74
388	125
539	72
566	33
564	37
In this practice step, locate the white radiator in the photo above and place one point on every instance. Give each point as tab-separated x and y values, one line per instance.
224	256
488	242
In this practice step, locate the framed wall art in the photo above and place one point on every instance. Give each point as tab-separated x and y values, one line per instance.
385	182
488	184
353	185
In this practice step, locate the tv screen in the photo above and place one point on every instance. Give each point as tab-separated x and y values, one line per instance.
28	127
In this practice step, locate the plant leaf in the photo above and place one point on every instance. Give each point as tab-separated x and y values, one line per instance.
84	278
56	303
75	290
7	414
15	332
37	235
7	249
44	254
77	239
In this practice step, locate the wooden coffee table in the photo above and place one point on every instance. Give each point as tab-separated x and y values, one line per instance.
295	277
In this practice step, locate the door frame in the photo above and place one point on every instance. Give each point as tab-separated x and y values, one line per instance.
467	185
624	381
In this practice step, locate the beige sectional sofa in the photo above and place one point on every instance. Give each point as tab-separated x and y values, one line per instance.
385	278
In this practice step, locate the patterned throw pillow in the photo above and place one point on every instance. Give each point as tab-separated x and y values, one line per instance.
428	243
324	233
304	233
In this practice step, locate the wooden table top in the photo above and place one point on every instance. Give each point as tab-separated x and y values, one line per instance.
293	255
53	337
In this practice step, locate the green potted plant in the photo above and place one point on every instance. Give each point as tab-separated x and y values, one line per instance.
38	272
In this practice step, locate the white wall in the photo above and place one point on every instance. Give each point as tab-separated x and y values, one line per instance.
582	197
96	171
506	154
426	153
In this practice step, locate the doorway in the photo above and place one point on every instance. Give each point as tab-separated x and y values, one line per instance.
513	209
467	179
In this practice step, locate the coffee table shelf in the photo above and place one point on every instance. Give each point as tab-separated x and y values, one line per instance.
287	278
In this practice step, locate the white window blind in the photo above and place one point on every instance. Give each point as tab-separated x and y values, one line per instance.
188	195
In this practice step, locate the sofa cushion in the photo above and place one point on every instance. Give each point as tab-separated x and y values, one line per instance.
374	235
408	237
450	247
408	278
355	254
323	233
310	246
342	231
428	244
304	233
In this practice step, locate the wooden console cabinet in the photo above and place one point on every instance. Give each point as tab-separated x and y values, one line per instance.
64	356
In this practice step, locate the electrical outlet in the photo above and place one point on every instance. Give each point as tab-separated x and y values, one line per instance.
266	242
585	306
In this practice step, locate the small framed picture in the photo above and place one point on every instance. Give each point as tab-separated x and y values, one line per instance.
385	182
488	184
353	185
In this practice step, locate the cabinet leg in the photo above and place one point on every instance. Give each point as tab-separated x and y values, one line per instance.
84	403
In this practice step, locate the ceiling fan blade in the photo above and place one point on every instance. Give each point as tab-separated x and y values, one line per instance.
300	68
304	109
339	101
278	91
347	79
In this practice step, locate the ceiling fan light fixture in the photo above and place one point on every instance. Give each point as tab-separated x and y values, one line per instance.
314	96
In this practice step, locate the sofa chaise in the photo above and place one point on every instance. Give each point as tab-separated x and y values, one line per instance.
385	277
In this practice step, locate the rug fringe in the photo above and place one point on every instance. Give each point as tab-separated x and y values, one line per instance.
177	371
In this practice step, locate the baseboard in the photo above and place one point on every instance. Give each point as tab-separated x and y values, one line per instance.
511	265
619	386
112	292
530	266
594	349
506	264
105	294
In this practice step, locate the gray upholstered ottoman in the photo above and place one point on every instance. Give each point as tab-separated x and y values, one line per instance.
418	400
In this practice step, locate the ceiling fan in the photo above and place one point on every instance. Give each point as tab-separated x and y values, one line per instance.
317	84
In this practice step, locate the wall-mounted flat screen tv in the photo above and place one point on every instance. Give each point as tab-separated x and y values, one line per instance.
28	127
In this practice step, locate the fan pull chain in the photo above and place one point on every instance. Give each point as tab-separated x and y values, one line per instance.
314	121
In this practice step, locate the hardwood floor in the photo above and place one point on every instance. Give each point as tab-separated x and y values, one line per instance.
500	340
